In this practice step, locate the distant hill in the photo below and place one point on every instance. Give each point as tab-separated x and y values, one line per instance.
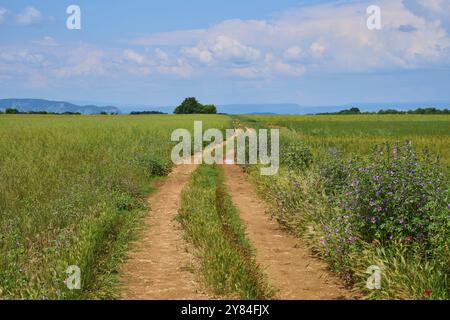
26	105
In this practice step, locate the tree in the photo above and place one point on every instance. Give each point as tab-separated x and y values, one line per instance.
11	111
188	106
208	109
191	105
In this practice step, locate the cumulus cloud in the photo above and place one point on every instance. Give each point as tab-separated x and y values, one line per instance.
293	53
313	38
29	16
24	57
82	61
133	56
223	48
324	37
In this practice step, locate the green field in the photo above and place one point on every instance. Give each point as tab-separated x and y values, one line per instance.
71	191
357	134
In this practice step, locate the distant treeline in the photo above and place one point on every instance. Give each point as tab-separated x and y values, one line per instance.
146	112
15	111
390	111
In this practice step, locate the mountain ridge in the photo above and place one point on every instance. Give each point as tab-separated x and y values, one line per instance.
28	104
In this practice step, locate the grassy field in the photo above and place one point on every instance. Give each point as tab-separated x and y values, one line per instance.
72	190
360	196
357	134
71	194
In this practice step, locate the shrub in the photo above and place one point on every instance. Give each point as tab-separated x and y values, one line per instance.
334	172
398	196
156	165
296	155
125	202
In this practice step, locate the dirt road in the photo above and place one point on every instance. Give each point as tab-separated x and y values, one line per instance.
288	264
159	264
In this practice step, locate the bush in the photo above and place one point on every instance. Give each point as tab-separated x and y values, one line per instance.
296	155
156	165
398	196
334	172
126	202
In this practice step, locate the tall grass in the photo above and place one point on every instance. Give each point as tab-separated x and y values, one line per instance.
71	190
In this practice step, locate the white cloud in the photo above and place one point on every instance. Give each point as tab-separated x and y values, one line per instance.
180	68
227	48
317	49
82	61
23	56
133	56
161	55
200	53
325	37
293	53
29	16
315	38
222	48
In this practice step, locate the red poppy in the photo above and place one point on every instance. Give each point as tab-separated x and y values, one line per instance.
374	243
408	238
427	293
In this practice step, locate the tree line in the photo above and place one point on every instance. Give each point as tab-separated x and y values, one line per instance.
390	111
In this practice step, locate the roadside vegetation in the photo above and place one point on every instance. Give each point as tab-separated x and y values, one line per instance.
212	225
359	198
71	193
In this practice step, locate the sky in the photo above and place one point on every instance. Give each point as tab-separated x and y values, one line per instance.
225	52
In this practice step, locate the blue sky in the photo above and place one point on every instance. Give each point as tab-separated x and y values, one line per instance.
254	51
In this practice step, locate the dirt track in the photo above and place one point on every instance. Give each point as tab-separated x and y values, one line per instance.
289	266
159	264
